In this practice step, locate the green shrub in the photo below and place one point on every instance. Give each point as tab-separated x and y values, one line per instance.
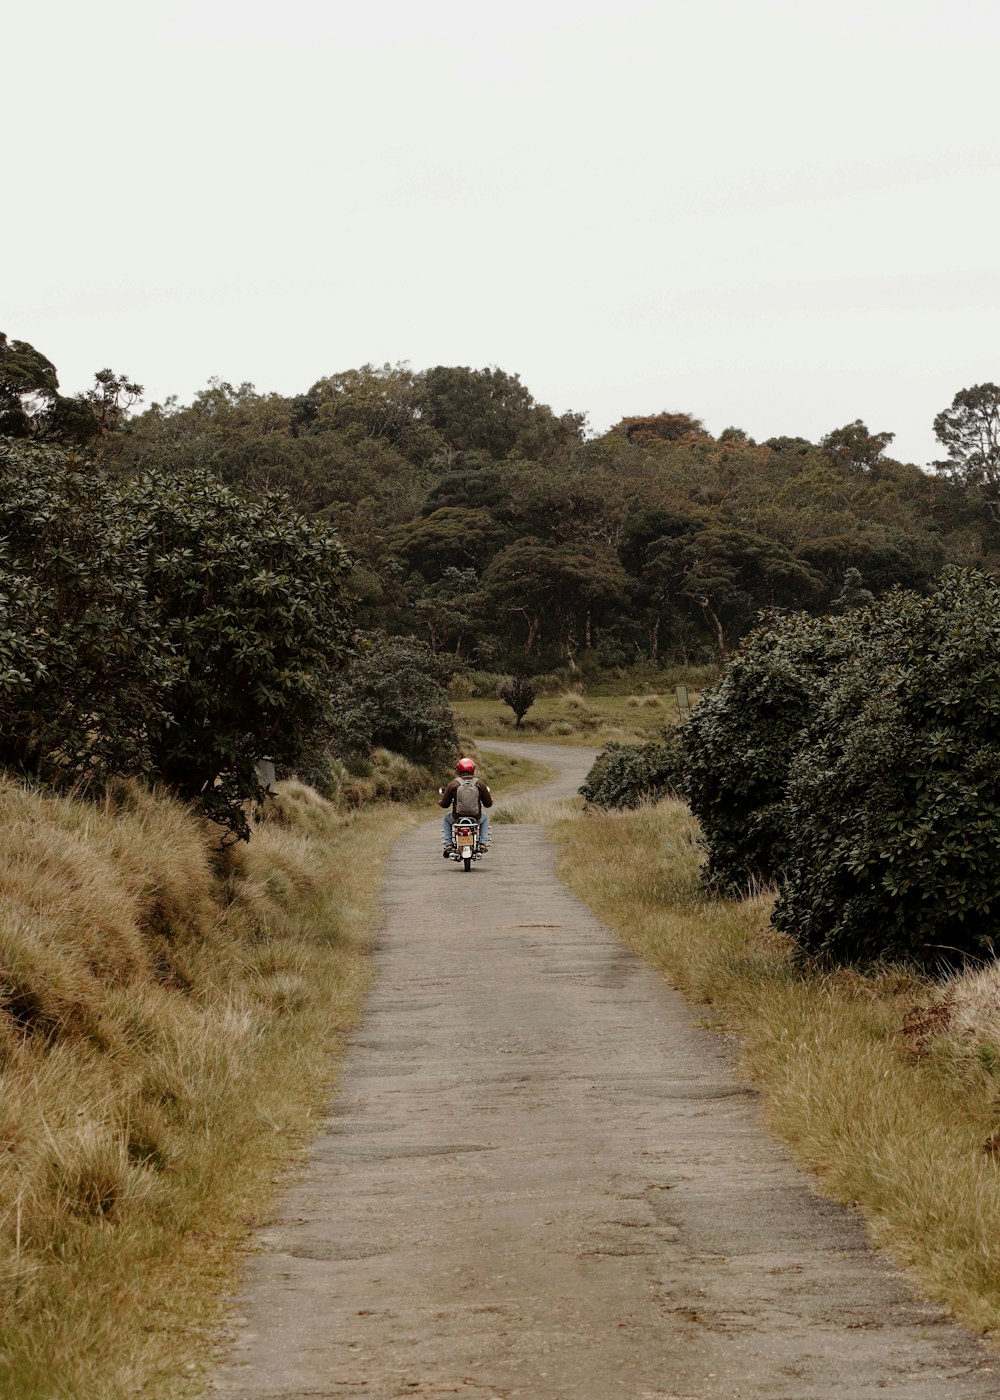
741	739
393	696
894	792
252	600
626	775
855	762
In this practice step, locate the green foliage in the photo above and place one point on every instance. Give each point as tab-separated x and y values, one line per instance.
655	541
251	598
854	594
740	741
84	669
626	775
729	573
393	696
31	405
356	483
855	447
377	404
451	537
550	590
492	412
894	788
91	418
519	694
970	430
28	388
161	627
449	608
855	762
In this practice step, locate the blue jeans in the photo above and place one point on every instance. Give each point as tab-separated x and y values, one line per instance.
484	828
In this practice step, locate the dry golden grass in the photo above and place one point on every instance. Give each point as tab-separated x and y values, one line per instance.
170	1022
390	778
169	1015
529	810
972	1002
886	1086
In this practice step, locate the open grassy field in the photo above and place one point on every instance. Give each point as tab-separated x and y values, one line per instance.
573	718
886	1086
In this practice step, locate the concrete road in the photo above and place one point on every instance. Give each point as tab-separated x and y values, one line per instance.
540	1179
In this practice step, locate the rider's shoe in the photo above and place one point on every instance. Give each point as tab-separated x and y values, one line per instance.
446	851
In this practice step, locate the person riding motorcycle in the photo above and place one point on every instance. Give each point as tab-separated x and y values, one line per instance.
464	769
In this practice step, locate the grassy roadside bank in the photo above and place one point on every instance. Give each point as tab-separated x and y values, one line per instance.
891	1101
171	1019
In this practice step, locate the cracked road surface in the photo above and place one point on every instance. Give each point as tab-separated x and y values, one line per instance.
540	1180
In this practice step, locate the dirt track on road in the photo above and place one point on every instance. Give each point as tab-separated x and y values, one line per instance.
540	1180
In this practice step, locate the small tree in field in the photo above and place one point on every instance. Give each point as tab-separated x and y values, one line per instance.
519	694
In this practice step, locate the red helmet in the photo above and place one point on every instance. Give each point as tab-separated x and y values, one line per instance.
465	766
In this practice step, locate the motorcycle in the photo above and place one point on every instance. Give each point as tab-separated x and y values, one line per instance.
465	841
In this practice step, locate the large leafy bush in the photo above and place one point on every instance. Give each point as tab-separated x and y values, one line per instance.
164	627
83	665
855	762
740	742
893	803
252	600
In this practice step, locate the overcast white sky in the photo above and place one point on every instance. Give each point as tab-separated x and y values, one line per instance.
778	214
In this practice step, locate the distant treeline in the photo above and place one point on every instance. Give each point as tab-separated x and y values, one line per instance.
499	533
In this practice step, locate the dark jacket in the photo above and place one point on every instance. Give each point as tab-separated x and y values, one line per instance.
447	798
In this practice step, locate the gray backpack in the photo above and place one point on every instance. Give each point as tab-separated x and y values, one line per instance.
467	803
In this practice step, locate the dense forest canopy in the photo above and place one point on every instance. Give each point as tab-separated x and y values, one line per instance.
499	532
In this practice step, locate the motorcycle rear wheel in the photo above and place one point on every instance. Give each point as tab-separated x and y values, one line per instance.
467	862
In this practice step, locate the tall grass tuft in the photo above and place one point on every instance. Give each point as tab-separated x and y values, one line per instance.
529	810
168	1017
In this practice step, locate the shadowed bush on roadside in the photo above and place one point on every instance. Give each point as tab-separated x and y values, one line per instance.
626	775
894	791
740	741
